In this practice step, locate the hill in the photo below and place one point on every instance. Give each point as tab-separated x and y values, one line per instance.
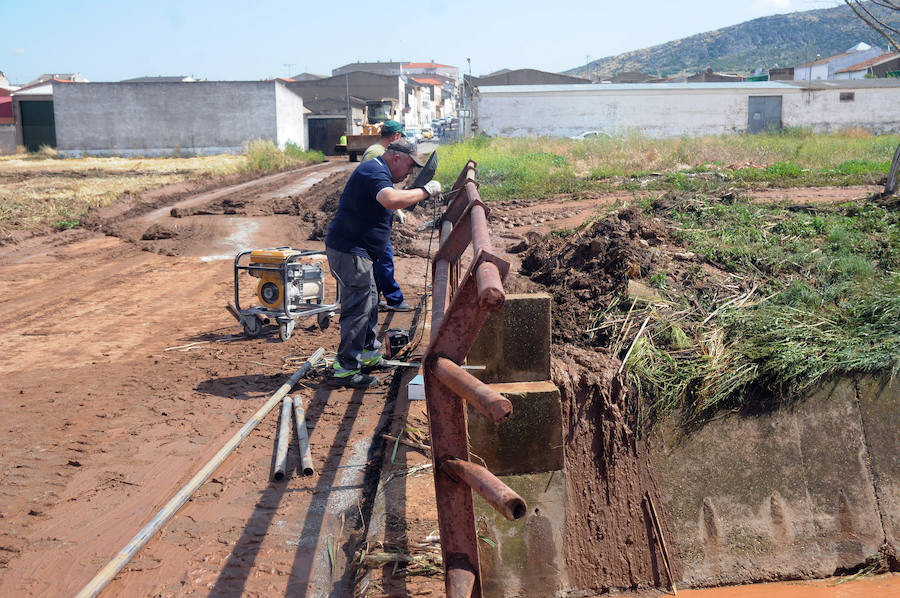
782	40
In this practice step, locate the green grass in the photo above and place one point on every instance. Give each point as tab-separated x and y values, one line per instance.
264	156
540	167
827	303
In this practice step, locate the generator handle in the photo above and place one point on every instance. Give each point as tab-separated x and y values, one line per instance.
237	268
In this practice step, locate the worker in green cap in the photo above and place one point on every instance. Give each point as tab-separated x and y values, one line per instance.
391	131
383	268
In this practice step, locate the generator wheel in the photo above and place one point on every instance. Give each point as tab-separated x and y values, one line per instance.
252	326
286	329
324	320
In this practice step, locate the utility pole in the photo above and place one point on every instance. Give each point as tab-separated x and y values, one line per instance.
349	113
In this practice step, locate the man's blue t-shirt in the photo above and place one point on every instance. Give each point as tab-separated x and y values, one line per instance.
361	225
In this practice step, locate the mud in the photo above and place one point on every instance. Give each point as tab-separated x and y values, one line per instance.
122	374
610	539
589	269
122	381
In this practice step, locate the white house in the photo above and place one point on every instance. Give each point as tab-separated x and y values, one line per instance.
874	67
825	68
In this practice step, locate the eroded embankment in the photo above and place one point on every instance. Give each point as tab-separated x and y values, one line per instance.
609	527
785	489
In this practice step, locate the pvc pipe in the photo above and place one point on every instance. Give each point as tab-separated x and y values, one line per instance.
284	439
303	437
105	575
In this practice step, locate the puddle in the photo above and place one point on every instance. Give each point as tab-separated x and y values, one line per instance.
865	587
241	238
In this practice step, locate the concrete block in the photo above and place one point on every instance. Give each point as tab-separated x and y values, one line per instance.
879	402
524	557
769	496
514	343
530	440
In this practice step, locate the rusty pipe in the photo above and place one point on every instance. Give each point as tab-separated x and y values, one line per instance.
446	229
491	296
478	394
460	582
496	493
481	234
439	295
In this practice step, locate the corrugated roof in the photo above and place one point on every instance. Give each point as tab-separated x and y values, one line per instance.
871	62
824	60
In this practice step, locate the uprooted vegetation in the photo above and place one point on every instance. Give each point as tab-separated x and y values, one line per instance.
725	303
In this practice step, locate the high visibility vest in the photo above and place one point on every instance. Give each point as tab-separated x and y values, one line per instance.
343	140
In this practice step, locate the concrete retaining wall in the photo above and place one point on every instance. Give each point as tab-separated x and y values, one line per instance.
675	110
153	119
524	557
806	491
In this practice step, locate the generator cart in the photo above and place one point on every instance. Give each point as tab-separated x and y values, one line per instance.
290	286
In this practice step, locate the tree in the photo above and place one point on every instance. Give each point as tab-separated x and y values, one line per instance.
878	15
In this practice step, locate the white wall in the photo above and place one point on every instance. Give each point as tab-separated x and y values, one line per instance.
7	139
290	125
204	117
872	108
673	110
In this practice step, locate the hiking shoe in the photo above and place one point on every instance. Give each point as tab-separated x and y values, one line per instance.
373	360
357	380
402	306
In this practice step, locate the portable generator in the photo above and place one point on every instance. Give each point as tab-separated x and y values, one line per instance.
290	286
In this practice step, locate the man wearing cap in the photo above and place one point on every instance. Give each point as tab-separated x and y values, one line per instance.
391	131
383	267
357	236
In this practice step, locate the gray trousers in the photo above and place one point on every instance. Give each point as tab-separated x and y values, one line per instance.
359	306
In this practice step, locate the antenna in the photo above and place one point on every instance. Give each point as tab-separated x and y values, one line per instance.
290	67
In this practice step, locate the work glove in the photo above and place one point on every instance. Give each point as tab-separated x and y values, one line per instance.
432	188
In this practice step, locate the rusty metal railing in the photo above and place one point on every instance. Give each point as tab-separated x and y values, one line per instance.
459	309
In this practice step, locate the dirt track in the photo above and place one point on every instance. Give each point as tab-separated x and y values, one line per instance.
103	424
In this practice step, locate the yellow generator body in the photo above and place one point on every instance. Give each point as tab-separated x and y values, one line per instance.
270	290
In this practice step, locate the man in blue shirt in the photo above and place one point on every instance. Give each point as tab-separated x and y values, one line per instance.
358	235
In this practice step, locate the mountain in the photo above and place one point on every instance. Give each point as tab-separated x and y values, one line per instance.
783	40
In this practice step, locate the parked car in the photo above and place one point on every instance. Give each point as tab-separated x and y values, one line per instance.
414	133
589	135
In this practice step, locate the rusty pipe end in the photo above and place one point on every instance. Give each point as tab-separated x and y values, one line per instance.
501	410
460	577
517	508
491	299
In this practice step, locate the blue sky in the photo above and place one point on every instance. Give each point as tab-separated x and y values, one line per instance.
227	40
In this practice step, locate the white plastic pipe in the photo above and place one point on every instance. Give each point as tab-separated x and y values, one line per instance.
105	575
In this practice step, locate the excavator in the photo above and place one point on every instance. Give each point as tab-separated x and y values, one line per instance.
377	111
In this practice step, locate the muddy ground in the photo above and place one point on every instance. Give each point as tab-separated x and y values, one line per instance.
123	374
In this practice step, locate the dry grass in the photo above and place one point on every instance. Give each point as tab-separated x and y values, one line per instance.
37	191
